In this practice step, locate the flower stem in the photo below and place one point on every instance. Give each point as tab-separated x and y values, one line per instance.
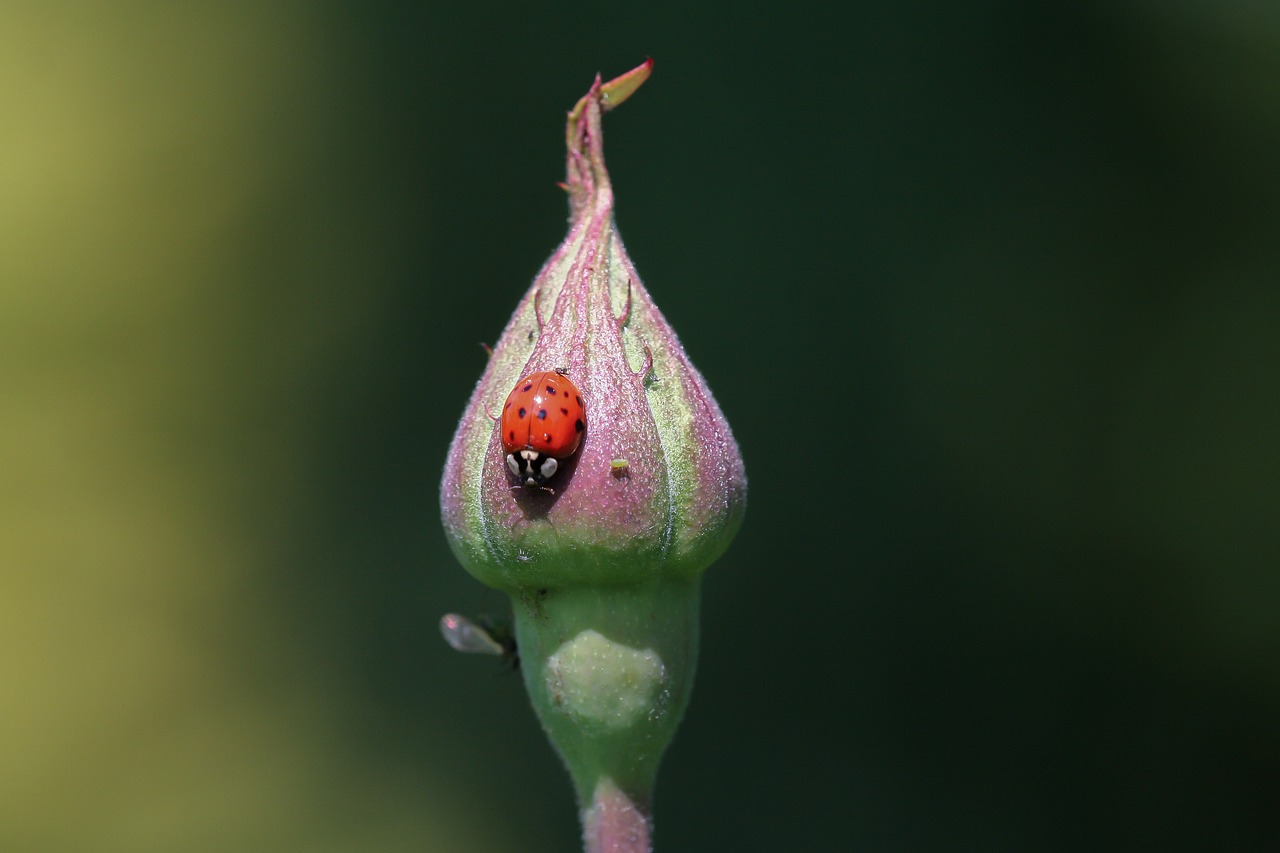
615	824
609	670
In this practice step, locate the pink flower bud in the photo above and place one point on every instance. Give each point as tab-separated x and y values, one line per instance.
656	487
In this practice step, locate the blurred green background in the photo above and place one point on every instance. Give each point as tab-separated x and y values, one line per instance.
987	290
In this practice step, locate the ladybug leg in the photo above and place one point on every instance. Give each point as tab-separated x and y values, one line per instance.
488	350
524	489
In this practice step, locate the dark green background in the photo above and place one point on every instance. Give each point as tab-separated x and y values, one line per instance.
986	290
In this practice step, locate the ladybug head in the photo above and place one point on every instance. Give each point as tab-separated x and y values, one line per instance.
532	467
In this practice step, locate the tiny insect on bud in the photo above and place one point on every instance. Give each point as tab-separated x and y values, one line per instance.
486	637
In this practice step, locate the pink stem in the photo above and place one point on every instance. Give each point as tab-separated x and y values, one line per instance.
613	823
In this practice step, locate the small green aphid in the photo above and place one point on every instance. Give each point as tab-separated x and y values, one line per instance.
620	467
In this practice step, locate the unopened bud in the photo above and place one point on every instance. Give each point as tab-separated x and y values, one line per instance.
656	485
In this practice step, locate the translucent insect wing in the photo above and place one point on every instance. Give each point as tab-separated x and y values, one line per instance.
466	636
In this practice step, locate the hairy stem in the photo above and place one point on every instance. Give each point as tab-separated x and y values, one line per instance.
615	824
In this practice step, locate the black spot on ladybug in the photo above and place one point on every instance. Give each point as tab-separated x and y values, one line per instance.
507	406
564	412
579	396
551	391
542	414
521	413
511	436
527	387
577	425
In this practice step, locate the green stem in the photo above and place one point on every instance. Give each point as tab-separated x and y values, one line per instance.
609	670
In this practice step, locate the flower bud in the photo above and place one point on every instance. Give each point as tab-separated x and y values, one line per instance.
604	485
656	487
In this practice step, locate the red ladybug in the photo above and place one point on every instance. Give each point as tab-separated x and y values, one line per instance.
542	425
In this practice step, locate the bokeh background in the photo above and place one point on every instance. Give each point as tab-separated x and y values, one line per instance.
987	290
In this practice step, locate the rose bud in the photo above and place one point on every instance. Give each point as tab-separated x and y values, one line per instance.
593	478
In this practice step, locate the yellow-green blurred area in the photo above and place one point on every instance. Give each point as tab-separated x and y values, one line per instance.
987	290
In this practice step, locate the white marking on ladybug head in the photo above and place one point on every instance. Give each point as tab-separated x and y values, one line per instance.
548	469
528	467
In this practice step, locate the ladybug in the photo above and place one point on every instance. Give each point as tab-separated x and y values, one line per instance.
542	425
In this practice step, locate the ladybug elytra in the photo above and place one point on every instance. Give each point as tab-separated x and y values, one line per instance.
542	425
